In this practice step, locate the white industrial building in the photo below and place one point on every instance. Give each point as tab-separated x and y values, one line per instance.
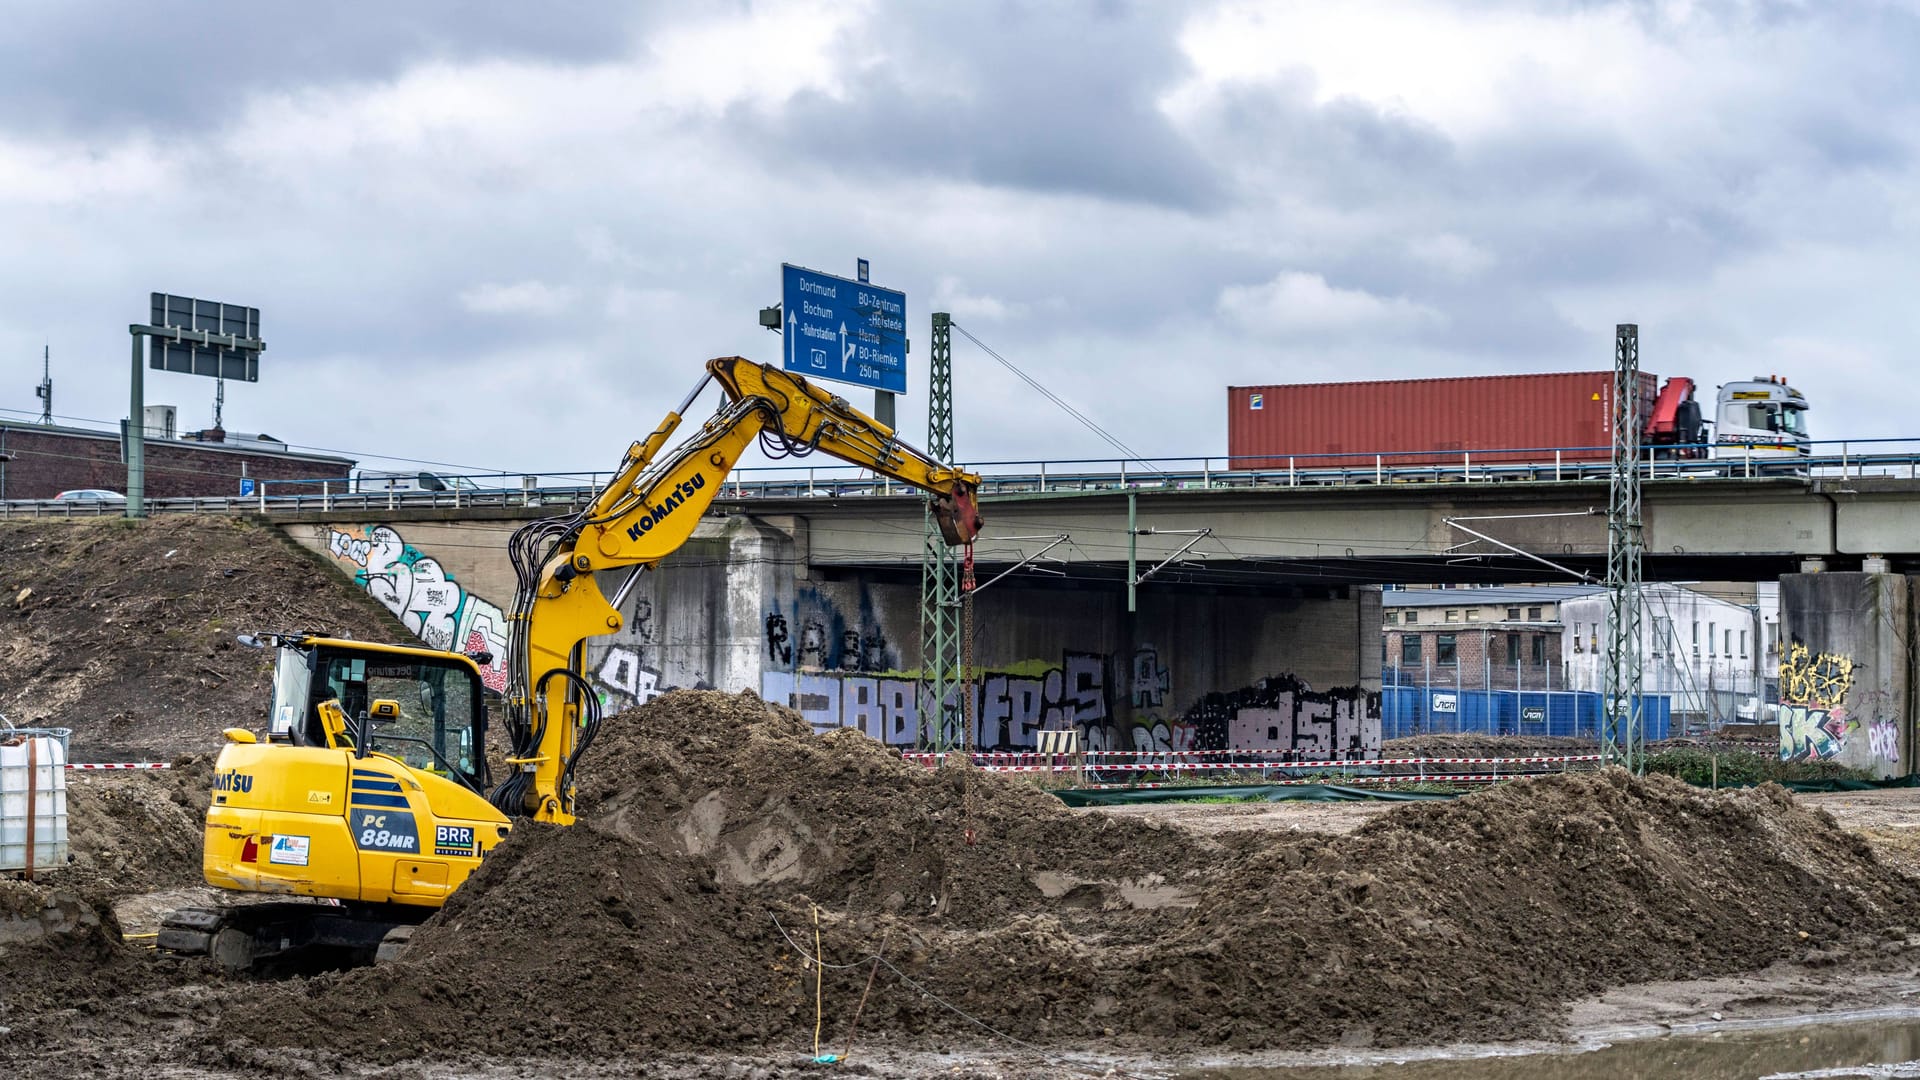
1714	649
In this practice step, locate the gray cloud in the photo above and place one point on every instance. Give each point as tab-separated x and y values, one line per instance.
180	67
1056	98
520	261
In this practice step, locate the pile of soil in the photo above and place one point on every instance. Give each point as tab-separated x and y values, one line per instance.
124	631
717	830
136	831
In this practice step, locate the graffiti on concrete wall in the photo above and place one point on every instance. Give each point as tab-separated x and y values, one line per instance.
1007	707
1883	740
1011	708
1815	724
628	669
1283	713
417	589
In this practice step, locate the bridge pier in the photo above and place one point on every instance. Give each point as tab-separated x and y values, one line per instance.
1847	670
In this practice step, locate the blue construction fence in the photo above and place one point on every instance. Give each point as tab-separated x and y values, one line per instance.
1415	710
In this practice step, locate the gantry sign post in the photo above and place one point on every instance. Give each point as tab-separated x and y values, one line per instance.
1623	735
198	337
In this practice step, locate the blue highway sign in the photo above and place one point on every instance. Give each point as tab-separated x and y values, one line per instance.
847	331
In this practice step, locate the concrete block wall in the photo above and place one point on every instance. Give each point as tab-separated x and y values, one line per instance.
1847	670
738	608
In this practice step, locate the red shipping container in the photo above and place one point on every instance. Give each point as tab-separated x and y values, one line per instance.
1499	419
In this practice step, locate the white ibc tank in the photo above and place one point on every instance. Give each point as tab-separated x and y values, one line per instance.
33	799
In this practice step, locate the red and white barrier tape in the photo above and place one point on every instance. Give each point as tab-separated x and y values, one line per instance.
120	765
998	755
1174	766
1479	778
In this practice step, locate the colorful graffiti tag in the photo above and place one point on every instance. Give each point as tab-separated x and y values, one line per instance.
417	589
1814	724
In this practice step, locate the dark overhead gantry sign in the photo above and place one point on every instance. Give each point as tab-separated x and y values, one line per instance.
196	337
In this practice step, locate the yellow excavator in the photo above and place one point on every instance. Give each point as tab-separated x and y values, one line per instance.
370	795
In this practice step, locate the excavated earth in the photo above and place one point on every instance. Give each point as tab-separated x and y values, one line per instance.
125	634
723	845
720	829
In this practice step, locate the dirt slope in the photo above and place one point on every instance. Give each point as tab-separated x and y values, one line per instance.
125	632
682	916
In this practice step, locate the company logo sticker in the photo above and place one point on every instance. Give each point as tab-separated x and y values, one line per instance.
289	850
453	840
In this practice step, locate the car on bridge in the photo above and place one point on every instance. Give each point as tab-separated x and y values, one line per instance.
99	495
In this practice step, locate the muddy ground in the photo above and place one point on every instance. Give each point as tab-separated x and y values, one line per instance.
969	924
679	924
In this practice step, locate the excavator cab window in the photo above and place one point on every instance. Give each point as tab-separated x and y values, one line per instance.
442	723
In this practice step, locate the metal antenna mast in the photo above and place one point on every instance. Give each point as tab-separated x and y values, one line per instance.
939	686
219	401
1623	731
45	390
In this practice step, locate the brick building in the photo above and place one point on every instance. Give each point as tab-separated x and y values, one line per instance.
1495	639
39	461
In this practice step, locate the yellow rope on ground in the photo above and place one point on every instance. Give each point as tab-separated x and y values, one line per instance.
819	976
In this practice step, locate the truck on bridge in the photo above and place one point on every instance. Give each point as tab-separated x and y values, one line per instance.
1505	419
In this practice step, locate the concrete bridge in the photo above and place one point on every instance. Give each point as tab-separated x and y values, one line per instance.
1263	633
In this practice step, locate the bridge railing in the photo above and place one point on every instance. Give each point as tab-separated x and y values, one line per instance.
558	492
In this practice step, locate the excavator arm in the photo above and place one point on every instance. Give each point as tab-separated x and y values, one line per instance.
643	515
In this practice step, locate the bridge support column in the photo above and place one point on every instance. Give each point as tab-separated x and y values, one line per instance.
1847	670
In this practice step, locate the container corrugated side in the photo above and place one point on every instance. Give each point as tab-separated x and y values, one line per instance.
1498	419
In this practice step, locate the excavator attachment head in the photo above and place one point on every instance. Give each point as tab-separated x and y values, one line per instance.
958	515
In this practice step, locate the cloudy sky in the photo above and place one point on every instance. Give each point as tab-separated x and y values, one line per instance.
505	236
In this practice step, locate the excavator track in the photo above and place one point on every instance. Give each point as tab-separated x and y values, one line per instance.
276	937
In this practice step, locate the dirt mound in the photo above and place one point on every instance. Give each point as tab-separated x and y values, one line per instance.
682	914
124	632
137	831
707	818
1477	918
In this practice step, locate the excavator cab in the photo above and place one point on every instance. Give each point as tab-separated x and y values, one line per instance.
440	721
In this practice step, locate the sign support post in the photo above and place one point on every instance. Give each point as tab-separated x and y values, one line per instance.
883	400
137	431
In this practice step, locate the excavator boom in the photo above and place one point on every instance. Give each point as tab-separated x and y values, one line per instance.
647	512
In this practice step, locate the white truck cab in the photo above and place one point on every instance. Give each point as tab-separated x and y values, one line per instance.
1760	417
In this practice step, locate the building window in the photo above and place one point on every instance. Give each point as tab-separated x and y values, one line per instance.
1533	614
1410	649
1743	644
1513	614
1773	639
1473	615
1513	648
1453	615
1412	617
1727	648
1393	618
1539	650
1713	635
1443	649
1662	636
1696	639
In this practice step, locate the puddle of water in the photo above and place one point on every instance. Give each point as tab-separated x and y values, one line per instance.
1879	1049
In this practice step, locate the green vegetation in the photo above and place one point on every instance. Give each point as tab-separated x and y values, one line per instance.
1743	768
